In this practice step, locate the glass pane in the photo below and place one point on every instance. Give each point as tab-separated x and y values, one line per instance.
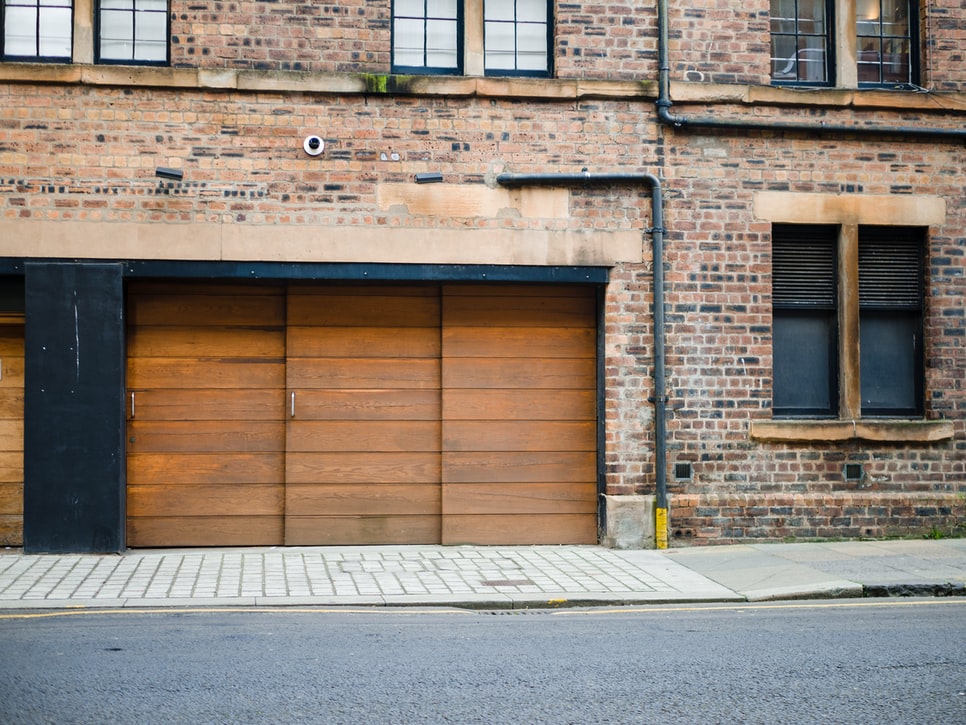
498	10
532	11
441	44
159	6
895	62
116	26
811	17
869	60
55	32
532	47
895	17
19	36
441	36
887	362
783	16
784	61
811	59
441	9
803	379
867	17
151	26
117	5
407	41
409	8
499	37
151	51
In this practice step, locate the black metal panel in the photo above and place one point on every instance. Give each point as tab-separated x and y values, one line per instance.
352	271
73	408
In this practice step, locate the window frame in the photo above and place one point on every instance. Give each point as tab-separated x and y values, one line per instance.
100	60
912	38
830	49
37	58
848	313
547	71
425	69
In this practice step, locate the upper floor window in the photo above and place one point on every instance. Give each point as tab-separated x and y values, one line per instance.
493	37
847	321
516	37
37	30
808	47
885	30
801	41
132	31
426	36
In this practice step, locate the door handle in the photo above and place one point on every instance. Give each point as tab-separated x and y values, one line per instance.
132	405
293	403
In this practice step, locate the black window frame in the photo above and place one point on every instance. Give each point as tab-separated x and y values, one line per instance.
100	60
892	294
914	51
830	55
427	69
805	289
546	72
37	58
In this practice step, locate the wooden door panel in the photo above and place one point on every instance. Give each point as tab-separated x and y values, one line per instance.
362	463
519	529
519	404
11	433
368	404
516	498
161	531
481	373
363	374
352	530
519	458
363	467
363	342
515	466
206	430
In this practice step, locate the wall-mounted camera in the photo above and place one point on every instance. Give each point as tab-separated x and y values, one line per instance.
313	145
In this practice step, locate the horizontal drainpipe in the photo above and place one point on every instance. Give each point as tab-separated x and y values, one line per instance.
657	238
665	116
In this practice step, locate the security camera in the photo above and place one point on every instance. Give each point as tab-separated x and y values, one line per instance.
313	145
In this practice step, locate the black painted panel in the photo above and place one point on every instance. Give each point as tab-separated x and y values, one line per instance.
73	408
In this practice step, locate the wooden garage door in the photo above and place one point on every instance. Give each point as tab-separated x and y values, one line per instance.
361	415
519	415
206	430
362	463
11	431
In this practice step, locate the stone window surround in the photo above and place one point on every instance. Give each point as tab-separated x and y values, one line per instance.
849	211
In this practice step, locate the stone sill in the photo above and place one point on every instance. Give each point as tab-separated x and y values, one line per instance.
470	86
830	431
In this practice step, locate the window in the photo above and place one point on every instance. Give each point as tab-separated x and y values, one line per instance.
847	321
884	31
493	37
516	37
426	36
801	41
132	31
805	332
37	30
809	48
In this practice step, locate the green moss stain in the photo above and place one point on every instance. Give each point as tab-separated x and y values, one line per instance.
378	83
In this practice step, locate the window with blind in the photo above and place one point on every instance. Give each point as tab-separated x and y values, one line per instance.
132	32
37	30
805	337
890	321
809	299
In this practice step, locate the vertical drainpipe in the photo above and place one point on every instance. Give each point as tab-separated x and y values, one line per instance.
657	259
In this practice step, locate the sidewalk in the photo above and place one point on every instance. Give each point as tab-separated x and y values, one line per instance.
500	577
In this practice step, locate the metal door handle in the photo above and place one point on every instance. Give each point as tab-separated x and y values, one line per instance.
293	403
132	404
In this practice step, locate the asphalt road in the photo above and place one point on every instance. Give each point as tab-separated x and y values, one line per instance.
863	661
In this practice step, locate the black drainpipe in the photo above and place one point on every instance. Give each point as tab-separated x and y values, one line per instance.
665	116
657	232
